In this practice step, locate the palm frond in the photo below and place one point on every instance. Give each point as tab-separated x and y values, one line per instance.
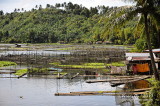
129	15
139	29
156	19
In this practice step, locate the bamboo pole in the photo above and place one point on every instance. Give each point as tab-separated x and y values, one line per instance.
106	93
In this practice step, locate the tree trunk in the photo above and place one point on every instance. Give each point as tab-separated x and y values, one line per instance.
158	38
156	74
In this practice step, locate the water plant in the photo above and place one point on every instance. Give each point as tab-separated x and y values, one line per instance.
117	64
55	63
6	63
105	70
81	66
90	65
38	70
21	72
84	65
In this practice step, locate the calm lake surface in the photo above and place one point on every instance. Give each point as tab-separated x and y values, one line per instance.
39	91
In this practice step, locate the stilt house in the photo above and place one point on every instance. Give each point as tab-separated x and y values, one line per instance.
140	63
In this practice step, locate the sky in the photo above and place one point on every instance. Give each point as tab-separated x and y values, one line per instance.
10	5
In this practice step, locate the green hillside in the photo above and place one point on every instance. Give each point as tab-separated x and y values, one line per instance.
69	23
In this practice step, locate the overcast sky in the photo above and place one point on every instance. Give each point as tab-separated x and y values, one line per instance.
10	5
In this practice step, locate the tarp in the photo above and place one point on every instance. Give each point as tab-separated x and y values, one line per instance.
142	67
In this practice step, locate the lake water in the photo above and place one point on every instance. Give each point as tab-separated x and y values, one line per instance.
39	91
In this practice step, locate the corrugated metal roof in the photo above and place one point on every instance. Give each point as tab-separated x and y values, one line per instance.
154	50
137	55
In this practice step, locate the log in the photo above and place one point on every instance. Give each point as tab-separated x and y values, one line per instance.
75	76
60	77
140	90
22	75
7	72
8	77
95	92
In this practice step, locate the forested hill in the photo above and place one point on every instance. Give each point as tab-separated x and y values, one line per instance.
66	22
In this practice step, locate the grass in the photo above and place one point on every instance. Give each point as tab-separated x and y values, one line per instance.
7	63
21	72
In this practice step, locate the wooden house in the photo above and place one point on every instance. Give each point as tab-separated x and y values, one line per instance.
140	63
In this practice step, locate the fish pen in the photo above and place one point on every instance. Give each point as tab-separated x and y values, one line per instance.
77	55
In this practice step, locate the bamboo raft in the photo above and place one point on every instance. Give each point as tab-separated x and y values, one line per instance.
119	81
108	80
135	92
116	83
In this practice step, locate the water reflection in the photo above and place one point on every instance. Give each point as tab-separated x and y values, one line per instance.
131	100
137	85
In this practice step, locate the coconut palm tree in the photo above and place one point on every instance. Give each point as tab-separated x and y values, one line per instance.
148	10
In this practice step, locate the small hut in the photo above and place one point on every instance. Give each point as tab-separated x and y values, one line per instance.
140	63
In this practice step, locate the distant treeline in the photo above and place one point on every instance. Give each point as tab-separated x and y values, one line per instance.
67	22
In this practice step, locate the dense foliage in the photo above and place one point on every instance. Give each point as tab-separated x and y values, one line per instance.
68	22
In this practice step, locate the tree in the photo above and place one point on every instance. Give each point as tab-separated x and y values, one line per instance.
36	6
1	12
40	7
15	10
147	9
58	5
85	12
22	9
93	11
48	6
